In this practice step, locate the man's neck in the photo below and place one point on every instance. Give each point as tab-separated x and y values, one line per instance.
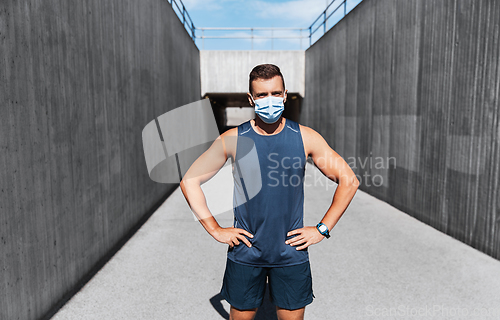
268	129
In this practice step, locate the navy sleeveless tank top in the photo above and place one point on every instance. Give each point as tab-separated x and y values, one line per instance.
268	198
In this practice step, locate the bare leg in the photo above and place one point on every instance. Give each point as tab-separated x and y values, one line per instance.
285	314
236	314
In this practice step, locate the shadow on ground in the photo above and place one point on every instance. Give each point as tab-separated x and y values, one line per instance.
267	311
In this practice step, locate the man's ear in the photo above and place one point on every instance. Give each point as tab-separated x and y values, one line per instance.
284	96
249	97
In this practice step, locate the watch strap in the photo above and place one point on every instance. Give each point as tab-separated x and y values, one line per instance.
325	233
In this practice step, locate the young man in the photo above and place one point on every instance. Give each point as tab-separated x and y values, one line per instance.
268	241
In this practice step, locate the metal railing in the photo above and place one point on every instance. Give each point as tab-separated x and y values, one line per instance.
252	36
325	18
184	16
257	33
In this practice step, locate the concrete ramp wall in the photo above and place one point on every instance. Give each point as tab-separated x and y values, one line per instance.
227	71
408	93
79	80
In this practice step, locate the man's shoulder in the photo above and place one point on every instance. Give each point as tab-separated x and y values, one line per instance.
307	130
233	132
309	135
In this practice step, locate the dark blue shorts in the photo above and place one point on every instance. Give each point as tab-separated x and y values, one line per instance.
289	287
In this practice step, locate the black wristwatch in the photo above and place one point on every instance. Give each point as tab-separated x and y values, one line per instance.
323	229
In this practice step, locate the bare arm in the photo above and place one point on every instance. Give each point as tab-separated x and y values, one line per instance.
335	168
202	170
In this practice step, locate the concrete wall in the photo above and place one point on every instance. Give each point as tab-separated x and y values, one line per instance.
78	82
227	71
417	81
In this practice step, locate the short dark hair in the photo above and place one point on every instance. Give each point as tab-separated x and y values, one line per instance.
264	71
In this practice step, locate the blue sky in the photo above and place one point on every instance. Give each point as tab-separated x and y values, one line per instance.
260	13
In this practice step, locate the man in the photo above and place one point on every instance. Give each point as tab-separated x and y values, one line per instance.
268	241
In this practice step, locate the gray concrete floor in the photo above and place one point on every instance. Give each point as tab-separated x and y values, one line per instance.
379	263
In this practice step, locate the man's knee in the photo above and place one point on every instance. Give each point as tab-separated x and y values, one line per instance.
286	314
237	314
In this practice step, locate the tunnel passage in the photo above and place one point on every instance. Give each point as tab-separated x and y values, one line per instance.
232	109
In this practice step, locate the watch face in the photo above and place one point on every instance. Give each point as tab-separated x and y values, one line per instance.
322	228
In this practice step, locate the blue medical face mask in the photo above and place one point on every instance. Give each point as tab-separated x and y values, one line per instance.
269	109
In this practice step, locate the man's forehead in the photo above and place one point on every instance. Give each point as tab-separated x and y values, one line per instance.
267	85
